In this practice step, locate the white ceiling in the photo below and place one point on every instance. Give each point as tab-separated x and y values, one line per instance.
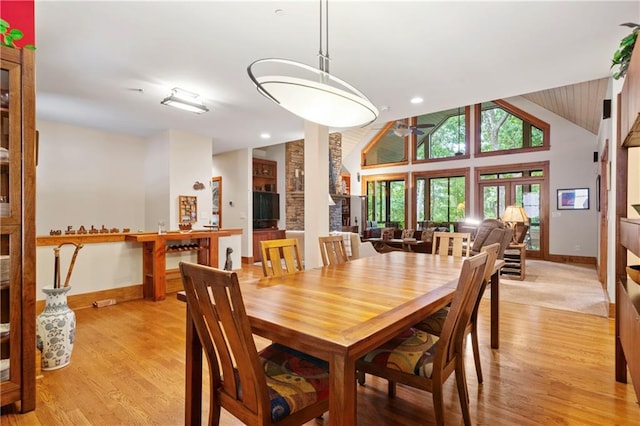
91	54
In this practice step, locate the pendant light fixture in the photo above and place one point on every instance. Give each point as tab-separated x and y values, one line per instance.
323	99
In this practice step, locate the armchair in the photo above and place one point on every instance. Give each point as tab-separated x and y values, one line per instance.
492	231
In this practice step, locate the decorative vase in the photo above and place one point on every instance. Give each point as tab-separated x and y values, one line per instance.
56	329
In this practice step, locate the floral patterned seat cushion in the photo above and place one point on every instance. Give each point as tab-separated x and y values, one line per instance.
295	379
434	323
411	352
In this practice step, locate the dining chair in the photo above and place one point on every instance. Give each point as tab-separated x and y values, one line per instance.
333	250
277	385
435	322
280	257
424	361
454	243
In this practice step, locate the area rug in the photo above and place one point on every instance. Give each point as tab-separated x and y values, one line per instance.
562	286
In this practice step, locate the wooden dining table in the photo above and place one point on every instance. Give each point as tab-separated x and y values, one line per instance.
339	314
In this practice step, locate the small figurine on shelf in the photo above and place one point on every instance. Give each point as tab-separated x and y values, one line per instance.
104	230
55	232
93	230
125	230
70	230
82	230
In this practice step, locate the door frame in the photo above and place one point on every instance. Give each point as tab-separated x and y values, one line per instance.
543	253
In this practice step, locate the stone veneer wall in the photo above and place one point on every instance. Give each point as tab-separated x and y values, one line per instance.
294	160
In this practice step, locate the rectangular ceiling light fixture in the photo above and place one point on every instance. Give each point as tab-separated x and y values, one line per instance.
186	100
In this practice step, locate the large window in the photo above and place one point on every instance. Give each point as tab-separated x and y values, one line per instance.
447	138
441	196
388	147
387	200
503	127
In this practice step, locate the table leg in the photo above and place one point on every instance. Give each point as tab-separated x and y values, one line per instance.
495	307
342	392
193	375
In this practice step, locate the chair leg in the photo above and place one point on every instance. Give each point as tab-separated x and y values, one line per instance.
438	403
391	389
463	393
476	350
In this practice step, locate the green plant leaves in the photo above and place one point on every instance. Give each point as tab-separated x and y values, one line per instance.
622	56
8	35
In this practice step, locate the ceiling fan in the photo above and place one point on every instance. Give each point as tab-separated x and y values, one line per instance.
402	129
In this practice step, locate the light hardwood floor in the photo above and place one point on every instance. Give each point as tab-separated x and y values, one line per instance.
553	367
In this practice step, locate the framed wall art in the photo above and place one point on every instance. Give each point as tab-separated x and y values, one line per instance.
573	199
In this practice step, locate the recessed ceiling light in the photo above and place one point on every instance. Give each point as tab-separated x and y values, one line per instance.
265	135
417	100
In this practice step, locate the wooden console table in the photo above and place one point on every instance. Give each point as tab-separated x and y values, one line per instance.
155	247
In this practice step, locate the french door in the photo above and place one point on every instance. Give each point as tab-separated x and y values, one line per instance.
496	191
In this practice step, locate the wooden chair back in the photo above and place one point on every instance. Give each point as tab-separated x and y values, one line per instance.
219	316
333	250
280	257
449	352
454	243
453	331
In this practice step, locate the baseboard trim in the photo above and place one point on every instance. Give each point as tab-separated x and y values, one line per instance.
564	258
85	300
173	283
612	310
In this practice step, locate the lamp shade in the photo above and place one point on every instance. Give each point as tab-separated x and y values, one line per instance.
325	100
514	214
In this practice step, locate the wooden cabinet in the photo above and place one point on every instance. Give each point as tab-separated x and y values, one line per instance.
265	175
515	257
627	346
264	235
17	228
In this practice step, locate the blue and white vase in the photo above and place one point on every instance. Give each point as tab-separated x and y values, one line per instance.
56	329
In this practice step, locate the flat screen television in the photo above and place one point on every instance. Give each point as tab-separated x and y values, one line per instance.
266	207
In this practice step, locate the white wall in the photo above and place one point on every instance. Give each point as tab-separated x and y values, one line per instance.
91	177
156	166
88	177
237	201
190	161
571	165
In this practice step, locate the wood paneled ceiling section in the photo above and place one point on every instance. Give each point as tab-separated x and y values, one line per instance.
579	103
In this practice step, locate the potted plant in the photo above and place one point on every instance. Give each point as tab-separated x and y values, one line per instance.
622	56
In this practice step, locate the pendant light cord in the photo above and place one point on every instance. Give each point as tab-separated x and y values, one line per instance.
324	55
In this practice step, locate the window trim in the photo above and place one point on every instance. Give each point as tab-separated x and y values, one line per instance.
434	174
375	140
523	115
467	138
387	177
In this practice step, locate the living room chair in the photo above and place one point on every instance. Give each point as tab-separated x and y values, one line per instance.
277	385
333	250
425	361
454	243
434	323
280	257
492	231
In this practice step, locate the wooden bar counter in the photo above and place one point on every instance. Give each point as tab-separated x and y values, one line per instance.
155	247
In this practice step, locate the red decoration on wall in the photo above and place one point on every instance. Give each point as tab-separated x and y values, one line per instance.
20	14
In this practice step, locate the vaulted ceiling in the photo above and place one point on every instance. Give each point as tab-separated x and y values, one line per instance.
108	64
